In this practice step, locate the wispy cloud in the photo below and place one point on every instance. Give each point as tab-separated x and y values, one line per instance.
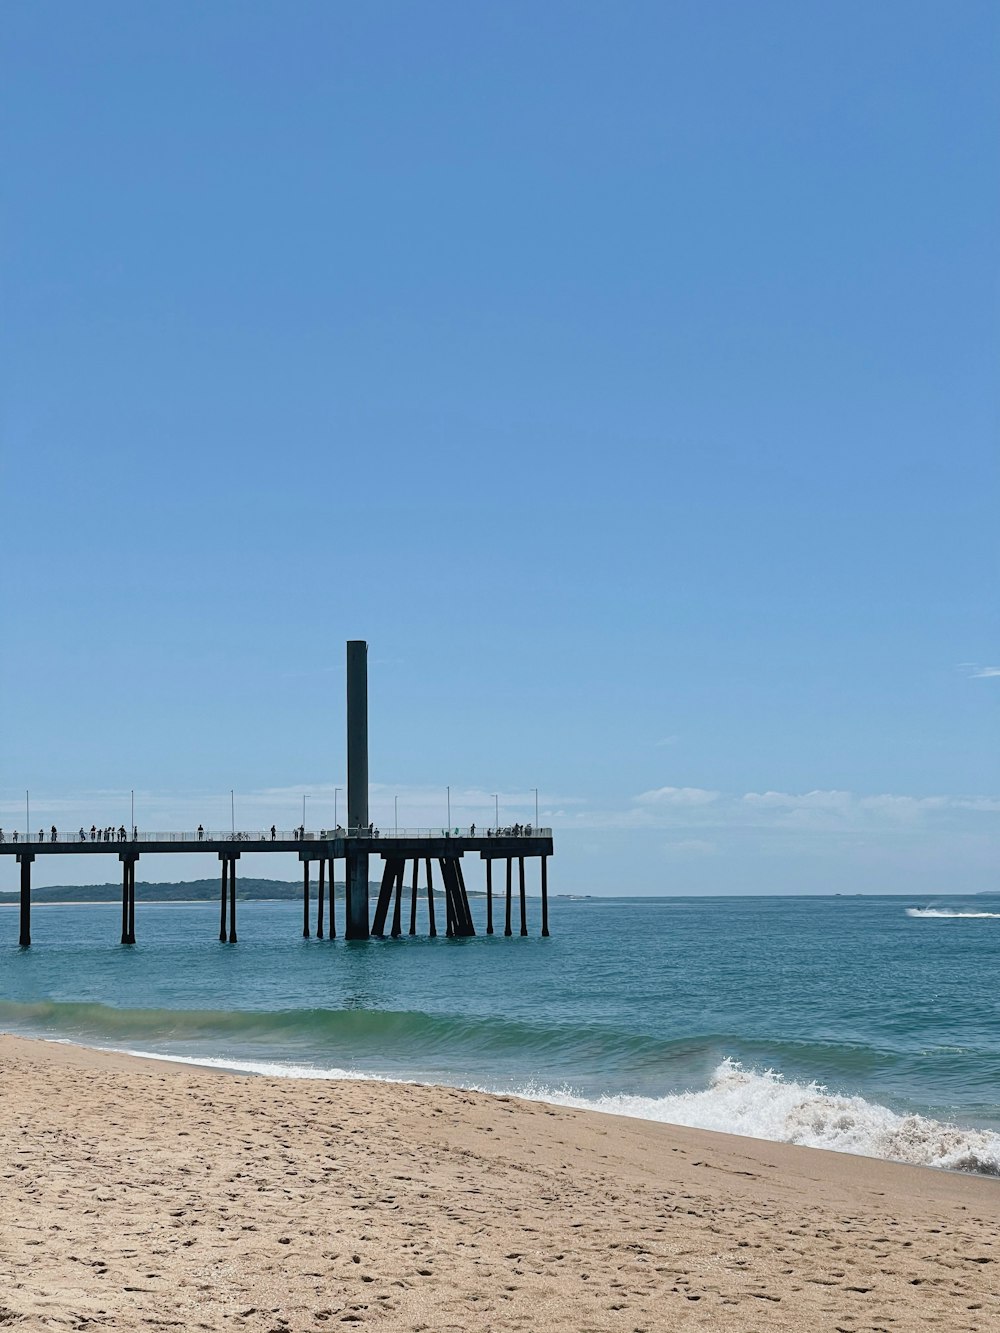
685	796
976	672
693	812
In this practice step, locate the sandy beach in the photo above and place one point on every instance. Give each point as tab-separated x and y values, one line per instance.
139	1194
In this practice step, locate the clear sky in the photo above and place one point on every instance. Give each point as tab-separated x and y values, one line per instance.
625	374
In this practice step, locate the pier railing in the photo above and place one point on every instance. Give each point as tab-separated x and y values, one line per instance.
113	837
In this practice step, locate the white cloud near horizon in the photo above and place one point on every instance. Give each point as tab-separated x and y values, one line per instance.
684	796
977	672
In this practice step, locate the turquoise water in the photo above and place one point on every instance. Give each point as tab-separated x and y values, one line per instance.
847	1022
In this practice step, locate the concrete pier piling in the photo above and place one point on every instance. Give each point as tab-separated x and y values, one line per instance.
223	930
24	860
320	894
413	898
397	927
128	860
431	927
545	897
333	904
305	899
524	905
232	898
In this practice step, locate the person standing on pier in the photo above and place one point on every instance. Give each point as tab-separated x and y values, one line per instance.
273	832
201	833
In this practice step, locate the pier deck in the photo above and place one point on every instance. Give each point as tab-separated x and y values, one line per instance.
322	850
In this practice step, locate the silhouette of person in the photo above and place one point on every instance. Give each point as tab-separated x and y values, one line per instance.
201	833
274	833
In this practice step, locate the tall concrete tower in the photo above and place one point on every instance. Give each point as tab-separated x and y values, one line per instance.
357	788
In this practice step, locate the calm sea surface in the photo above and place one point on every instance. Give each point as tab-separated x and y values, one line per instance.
845	1022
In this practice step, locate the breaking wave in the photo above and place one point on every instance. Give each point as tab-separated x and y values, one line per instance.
949	912
764	1105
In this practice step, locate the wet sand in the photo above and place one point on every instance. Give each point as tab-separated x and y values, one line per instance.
143	1195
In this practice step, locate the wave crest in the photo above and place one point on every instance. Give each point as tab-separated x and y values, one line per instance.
764	1105
949	912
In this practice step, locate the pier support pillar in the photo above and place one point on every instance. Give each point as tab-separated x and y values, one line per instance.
384	895
356	893
232	858
333	903
24	860
413	899
305	900
356	888
545	895
506	922
128	860
465	923
489	897
397	924
524	905
449	899
431	927
320	895
223	932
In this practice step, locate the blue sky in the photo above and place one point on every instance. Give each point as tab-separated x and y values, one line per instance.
626	375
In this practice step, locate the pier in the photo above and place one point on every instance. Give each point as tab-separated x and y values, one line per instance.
408	856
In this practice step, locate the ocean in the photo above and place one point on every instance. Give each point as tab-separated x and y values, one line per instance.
862	1024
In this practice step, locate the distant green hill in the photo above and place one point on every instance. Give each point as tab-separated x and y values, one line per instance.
196	890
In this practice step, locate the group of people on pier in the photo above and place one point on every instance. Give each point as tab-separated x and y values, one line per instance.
109	834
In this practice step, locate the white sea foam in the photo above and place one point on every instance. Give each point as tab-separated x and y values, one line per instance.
746	1102
947	912
767	1106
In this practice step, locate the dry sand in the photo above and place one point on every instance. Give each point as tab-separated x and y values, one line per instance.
138	1194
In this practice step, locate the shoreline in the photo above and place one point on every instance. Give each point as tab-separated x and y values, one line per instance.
148	1191
303	1073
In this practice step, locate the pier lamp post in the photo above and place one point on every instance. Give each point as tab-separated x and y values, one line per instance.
232	810
304	799
336	793
496	811
535	790
132	825
449	808
395	814
27	816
